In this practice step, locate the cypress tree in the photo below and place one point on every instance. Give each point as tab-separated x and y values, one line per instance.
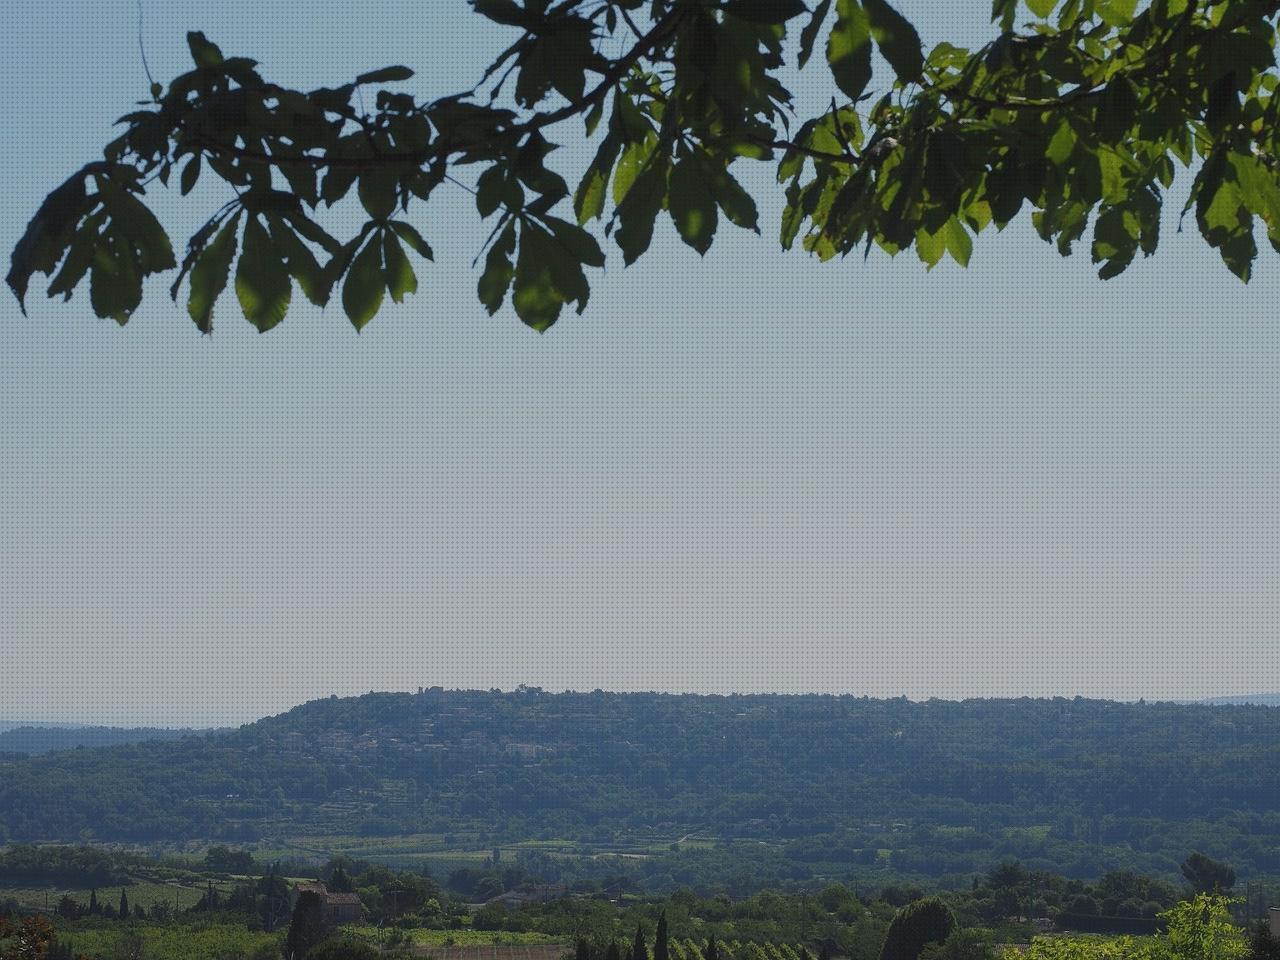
124	905
613	953
307	927
660	939
638	949
712	952
94	907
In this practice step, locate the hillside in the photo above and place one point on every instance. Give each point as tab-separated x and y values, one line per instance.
1253	699
925	788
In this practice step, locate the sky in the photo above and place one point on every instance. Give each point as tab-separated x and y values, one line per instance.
750	472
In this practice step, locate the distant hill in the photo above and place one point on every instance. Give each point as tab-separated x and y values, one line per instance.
820	783
33	739
1249	700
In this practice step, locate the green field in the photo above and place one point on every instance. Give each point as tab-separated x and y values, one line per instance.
425	937
146	894
187	941
443	855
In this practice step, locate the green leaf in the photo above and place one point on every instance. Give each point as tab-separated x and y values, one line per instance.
809	35
378	191
1061	144
565	270
505	12
133	219
496	279
489	189
764	11
300	261
638	211
314	232
849	48
79	258
364	286
1223	217
737	204
594	115
1116	13
581	245
1041	8
897	39
204	53
1118	109
115	286
959	243
190	173
337	181
692	207
209	275
931	246
409	234
50	232
262	281
628	168
385	75
534	294
401	279
588	199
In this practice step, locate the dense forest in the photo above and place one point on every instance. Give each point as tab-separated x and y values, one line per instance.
816	784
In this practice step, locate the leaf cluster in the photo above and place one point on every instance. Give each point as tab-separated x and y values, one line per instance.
1081	111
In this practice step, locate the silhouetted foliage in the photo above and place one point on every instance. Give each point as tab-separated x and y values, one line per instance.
306	928
915	926
1206	875
1084	113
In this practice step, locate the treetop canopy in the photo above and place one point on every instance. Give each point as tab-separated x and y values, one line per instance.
1083	111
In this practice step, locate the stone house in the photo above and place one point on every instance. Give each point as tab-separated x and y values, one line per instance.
338	907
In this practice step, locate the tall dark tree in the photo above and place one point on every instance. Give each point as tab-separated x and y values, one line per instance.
124	905
1263	944
638	949
916	925
581	950
306	929
660	948
273	905
95	909
1206	875
614	952
713	950
340	882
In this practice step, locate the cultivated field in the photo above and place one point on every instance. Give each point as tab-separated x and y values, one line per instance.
498	951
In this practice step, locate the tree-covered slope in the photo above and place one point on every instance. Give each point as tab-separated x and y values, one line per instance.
24	738
940	784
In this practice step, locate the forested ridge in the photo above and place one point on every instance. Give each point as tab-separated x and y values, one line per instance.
931	787
31	739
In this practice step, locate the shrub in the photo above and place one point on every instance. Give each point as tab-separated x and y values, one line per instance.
915	925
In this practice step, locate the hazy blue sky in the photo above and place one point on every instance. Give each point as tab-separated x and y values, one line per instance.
750	473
